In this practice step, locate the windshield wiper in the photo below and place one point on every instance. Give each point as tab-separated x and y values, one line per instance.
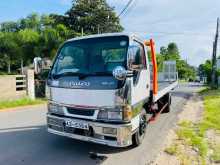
102	73
56	76
81	75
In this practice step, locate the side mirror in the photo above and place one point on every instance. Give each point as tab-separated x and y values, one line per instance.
134	59
119	73
38	65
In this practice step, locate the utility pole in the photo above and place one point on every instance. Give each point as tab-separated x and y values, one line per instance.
214	53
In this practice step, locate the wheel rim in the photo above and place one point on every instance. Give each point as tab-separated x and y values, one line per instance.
143	125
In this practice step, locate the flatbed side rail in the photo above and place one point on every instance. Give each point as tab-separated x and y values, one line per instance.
164	91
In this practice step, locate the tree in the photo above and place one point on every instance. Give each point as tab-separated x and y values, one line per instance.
163	50
46	21
32	21
49	42
171	52
9	50
205	70
9	26
28	40
91	16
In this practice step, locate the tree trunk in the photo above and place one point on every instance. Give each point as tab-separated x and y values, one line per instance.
9	66
22	66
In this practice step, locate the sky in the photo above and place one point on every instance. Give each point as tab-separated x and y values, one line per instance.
189	23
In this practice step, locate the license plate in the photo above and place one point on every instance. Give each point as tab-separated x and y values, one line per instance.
76	124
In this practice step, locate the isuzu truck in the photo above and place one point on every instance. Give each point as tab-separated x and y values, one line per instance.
106	89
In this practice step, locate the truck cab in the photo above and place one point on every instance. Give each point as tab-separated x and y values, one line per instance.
99	90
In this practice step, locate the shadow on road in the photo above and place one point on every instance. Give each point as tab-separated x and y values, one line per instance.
182	94
33	145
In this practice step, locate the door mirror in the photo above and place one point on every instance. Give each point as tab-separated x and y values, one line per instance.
38	65
134	58
119	73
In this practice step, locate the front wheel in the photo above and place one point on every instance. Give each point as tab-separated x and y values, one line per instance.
139	135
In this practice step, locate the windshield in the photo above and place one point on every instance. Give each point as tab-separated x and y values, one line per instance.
91	56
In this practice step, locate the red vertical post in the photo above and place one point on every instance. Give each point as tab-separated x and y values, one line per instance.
154	62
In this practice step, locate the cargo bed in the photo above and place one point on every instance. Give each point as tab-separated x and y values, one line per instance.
163	89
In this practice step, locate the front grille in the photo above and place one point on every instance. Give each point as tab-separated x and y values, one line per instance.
57	128
82	112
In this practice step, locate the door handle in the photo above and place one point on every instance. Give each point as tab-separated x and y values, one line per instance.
147	86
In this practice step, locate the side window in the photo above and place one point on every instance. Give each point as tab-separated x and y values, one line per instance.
139	48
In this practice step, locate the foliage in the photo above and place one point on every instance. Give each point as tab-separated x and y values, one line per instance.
10	52
205	70
91	17
185	71
41	35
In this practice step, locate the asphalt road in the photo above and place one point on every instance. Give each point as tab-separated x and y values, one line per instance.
24	139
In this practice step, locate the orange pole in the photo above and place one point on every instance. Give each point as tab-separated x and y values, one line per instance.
154	62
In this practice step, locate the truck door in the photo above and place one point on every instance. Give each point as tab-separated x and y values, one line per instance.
140	88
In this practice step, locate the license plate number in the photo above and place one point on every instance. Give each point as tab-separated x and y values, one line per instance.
74	124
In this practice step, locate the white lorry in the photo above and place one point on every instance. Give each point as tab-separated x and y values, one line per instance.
101	89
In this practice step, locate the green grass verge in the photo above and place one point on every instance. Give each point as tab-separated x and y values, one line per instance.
211	119
20	102
192	137
194	134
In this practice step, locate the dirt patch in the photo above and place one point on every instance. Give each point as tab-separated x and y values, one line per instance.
193	110
174	151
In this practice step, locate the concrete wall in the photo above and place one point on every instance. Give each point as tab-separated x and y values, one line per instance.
8	88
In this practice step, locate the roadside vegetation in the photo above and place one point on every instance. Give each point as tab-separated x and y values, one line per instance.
41	35
20	102
199	142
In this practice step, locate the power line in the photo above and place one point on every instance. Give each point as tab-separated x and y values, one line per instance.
174	33
132	6
125	8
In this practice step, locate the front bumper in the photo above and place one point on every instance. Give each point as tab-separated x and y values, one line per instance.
122	137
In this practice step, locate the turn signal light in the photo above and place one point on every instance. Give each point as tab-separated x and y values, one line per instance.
127	113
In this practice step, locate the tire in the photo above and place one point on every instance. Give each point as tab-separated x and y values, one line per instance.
139	135
167	99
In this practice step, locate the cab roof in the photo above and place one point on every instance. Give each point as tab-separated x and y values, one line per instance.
129	35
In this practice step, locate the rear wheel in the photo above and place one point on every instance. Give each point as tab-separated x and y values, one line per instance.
140	133
167	100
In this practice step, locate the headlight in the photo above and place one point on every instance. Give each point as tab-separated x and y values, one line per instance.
56	109
110	114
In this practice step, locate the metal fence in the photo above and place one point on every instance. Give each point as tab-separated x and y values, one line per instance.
169	73
21	82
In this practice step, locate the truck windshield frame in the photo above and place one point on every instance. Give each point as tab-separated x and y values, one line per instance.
90	57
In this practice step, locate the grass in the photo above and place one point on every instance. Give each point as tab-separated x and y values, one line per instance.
194	134
211	119
189	133
215	156
20	102
172	150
